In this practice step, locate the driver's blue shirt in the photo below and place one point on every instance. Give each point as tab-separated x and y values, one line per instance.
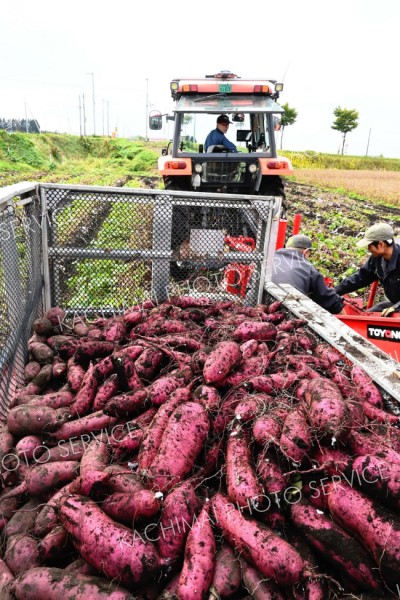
217	138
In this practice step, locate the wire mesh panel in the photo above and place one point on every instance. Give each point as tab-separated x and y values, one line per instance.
109	249
21	286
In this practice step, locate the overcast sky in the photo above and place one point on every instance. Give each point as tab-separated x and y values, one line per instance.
328	52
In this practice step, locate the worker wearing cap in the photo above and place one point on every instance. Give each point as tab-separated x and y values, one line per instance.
291	265
383	265
217	137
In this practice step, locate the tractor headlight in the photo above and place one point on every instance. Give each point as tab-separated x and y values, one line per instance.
198	168
252	168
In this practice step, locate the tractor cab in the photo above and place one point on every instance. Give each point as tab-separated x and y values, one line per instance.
254	114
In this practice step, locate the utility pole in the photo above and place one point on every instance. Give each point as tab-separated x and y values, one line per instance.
147	108
369	137
80	117
94	104
84	115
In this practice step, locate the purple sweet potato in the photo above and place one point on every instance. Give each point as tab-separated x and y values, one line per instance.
27	446
126	405
21	553
41	353
55	314
221	361
366	388
259	588
153	436
227	575
31	370
75	375
93	463
149	362
180	507
87	351
129	508
6	579
54	546
209	397
327	411
23	519
54	400
295	440
47	518
182	441
334	545
84	425
241	480
85	396
198	564
122	554
259	545
51	583
106	391
377	529
253	330
31	420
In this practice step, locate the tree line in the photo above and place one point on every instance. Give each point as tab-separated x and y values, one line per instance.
23	125
346	120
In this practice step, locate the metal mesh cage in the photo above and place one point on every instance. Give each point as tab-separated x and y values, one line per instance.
21	286
109	249
97	251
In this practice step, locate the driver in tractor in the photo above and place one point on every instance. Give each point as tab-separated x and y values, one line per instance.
383	265
217	137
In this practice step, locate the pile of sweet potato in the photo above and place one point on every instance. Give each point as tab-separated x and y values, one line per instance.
196	449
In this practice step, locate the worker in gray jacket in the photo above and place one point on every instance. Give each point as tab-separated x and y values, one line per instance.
291	265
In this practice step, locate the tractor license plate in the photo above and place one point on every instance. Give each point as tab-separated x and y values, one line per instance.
225	88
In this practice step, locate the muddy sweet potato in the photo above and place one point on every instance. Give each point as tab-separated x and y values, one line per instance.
21	553
253	330
153	436
198	564
241	480
179	509
227	575
327	411
259	545
41	353
184	437
259	588
52	583
377	529
34	420
129	508
334	545
220	362
123	555
93	462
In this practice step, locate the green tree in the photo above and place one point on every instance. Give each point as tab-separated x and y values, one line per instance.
346	121
288	118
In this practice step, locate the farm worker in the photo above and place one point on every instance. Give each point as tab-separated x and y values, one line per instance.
383	265
217	137
291	265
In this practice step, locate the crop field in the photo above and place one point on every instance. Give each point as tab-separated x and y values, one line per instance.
383	186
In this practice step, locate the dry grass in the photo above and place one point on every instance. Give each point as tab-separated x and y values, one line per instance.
380	185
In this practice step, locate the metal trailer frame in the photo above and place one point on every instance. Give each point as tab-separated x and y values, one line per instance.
28	270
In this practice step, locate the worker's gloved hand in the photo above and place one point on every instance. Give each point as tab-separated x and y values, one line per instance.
388	312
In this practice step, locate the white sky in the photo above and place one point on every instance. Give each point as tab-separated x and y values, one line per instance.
330	53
